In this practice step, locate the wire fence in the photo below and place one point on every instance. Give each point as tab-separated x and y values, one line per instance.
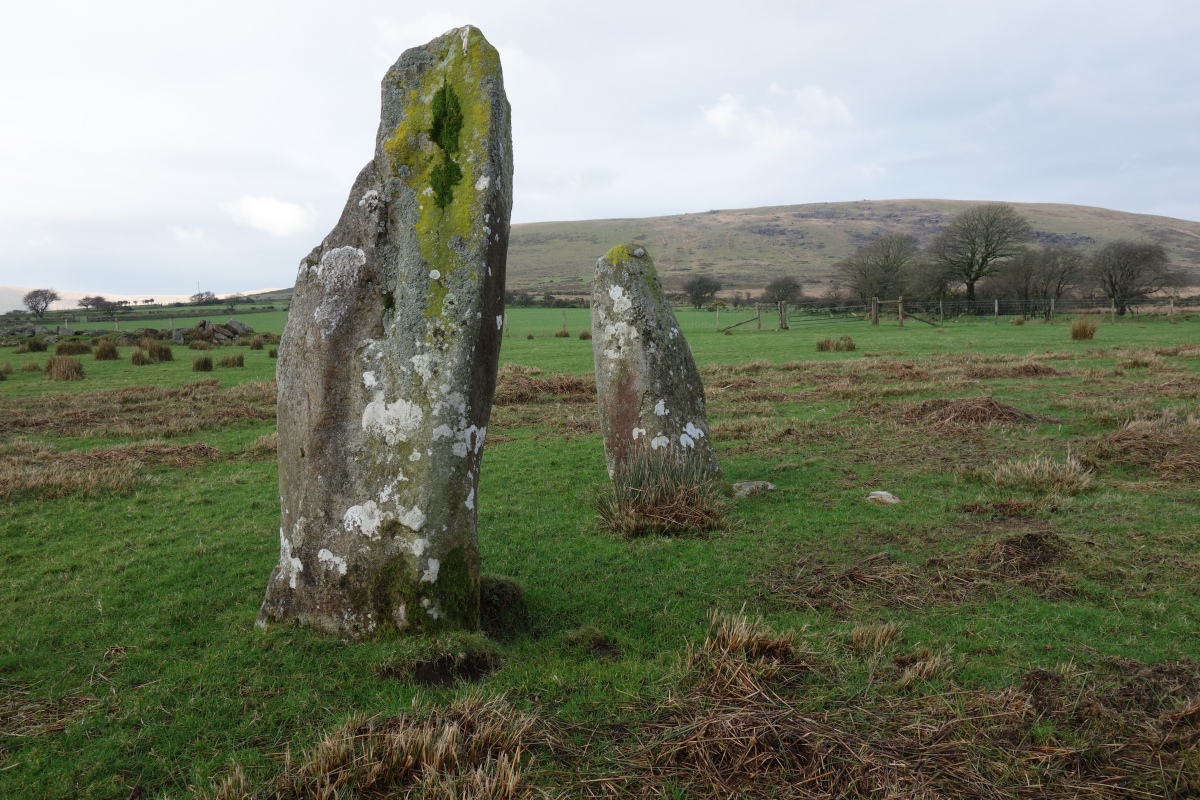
935	312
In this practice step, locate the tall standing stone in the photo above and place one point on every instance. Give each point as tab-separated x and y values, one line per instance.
388	362
649	390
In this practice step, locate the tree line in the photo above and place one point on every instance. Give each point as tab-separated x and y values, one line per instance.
986	249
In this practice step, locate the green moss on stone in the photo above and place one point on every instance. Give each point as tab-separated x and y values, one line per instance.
618	254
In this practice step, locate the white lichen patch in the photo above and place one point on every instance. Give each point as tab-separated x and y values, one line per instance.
394	421
638	432
431	571
418	547
415	455
659	441
413	519
332	562
289	567
499	321
434	274
369	200
621	302
686	441
660	408
366	518
422	364
339	273
692	431
369	380
483	183
470	501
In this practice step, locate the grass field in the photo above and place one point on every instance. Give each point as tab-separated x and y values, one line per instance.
1023	623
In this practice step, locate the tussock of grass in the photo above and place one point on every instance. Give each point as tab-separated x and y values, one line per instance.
585	335
232	360
33	346
199	344
156	350
203	364
31	366
562	333
655	492
1083	329
106	350
593	641
138	357
64	368
1027	369
967	412
72	348
843	344
256	343
474	748
903	371
1168	444
273	353
6	368
1043	475
874	638
23	716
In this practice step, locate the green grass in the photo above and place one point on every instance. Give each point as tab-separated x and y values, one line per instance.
128	623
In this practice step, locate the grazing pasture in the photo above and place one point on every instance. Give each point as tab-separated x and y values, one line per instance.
1026	616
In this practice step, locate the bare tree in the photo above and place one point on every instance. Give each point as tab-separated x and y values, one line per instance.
39	300
978	242
786	289
1126	270
701	288
91	301
1039	275
881	268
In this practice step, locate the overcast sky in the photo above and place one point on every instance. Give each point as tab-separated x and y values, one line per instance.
160	146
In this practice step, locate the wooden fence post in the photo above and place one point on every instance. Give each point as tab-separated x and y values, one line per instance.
507	332
900	310
564	319
1172	316
941	314
874	310
996	311
1051	310
783	320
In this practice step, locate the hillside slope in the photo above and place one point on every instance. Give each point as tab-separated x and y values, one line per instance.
746	248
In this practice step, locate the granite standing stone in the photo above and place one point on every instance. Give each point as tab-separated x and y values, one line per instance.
649	391
388	361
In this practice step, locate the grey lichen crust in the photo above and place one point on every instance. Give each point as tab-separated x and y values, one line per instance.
650	394
388	362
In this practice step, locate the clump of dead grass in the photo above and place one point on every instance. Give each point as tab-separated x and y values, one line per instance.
138	357
1043	475
656	492
562	333
1168	444
1083	329
520	385
903	371
64	368
202	364
72	348
967	412
874	638
6	368
199	344
31	366
156	350
1026	369
232	360
106	350
842	344
23	716
474	748
256	342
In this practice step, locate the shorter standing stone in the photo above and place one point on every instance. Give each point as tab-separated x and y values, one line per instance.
649	391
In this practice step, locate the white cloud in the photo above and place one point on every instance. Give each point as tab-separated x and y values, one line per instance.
183	234
817	106
270	215
759	126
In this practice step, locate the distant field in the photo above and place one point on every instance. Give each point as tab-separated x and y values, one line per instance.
1027	616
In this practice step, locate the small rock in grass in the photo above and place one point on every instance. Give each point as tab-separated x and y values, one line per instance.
751	488
883	498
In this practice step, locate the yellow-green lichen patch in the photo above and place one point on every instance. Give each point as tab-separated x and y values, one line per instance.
448	109
618	254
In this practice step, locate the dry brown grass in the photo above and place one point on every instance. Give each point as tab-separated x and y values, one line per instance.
585	335
64	368
264	447
72	348
46	472
6	368
474	748
757	721
202	364
22	716
562	334
1027	369
1083	329
903	371
518	385
106	351
1041	474
137	411
138	357
232	360
256	343
156	350
967	412
31	366
842	344
1168	444
199	344
273	353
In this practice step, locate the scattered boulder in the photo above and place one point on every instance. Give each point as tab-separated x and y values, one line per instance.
388	361
743	489
64	330
238	328
650	394
178	336
127	340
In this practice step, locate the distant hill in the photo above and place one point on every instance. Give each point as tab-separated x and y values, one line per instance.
746	248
